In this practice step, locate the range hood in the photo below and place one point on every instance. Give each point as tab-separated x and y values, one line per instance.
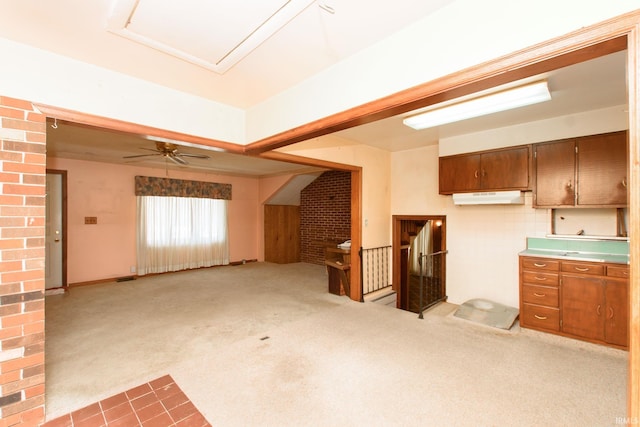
489	198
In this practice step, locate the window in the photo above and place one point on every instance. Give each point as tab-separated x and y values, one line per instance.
179	233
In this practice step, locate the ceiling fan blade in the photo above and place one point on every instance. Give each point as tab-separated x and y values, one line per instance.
195	156
141	155
176	159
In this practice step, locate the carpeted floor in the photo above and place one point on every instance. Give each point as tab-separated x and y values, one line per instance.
266	344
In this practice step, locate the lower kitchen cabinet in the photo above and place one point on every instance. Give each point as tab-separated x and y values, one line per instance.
616	326
584	300
583	306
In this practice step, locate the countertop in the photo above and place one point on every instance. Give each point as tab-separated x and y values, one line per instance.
577	256
616	252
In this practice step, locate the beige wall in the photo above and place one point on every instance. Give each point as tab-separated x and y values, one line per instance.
483	241
108	249
376	189
586	123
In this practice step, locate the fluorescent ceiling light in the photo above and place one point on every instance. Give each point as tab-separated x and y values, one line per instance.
500	101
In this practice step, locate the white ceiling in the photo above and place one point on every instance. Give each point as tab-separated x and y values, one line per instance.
312	41
591	85
195	34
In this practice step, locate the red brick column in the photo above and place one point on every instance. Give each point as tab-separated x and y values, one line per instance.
22	233
325	214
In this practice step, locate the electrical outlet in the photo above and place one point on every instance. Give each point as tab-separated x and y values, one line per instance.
132	269
90	219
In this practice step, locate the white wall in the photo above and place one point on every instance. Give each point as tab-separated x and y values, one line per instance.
457	36
43	77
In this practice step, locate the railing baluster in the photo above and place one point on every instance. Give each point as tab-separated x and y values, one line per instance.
375	271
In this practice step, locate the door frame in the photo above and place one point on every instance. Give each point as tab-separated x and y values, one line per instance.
396	250
63	177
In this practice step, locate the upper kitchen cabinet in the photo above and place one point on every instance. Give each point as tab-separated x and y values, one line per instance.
503	169
602	170
588	171
555	164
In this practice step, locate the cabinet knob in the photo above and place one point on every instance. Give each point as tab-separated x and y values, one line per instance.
569	185
539	265
475	174
598	309
582	269
540	317
535	294
542	279
610	312
624	182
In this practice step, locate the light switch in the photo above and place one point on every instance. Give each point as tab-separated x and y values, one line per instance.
90	219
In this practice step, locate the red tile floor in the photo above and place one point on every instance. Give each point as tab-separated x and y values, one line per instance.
159	403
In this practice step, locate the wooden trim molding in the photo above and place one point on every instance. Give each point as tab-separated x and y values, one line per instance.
581	45
90	120
356	233
292	158
633	62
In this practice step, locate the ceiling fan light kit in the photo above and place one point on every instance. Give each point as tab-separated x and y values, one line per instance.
508	99
169	151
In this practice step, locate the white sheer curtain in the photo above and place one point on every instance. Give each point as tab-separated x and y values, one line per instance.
178	233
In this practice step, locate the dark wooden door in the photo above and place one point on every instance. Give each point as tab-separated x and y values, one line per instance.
281	234
616	327
602	170
459	173
555	172
505	169
583	309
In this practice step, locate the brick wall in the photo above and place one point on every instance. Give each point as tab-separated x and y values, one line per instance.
325	214
22	231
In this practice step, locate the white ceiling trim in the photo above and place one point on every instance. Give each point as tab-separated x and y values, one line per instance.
209	34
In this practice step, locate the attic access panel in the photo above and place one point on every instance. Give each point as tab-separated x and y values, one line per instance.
213	34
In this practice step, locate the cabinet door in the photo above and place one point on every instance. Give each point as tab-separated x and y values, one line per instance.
583	309
616	327
459	173
554	172
602	170
505	169
281	234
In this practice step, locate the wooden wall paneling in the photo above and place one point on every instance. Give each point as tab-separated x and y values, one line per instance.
281	234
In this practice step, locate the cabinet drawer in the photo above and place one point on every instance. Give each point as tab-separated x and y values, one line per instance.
540	264
540	317
540	295
539	278
583	268
618	271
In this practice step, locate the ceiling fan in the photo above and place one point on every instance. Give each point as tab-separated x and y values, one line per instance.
169	151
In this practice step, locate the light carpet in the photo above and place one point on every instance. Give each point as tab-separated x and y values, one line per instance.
266	344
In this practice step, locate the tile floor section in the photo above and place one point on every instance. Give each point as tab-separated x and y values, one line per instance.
159	403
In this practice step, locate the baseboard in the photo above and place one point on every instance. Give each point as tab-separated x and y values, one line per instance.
134	277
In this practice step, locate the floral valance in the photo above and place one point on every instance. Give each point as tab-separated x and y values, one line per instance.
168	187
